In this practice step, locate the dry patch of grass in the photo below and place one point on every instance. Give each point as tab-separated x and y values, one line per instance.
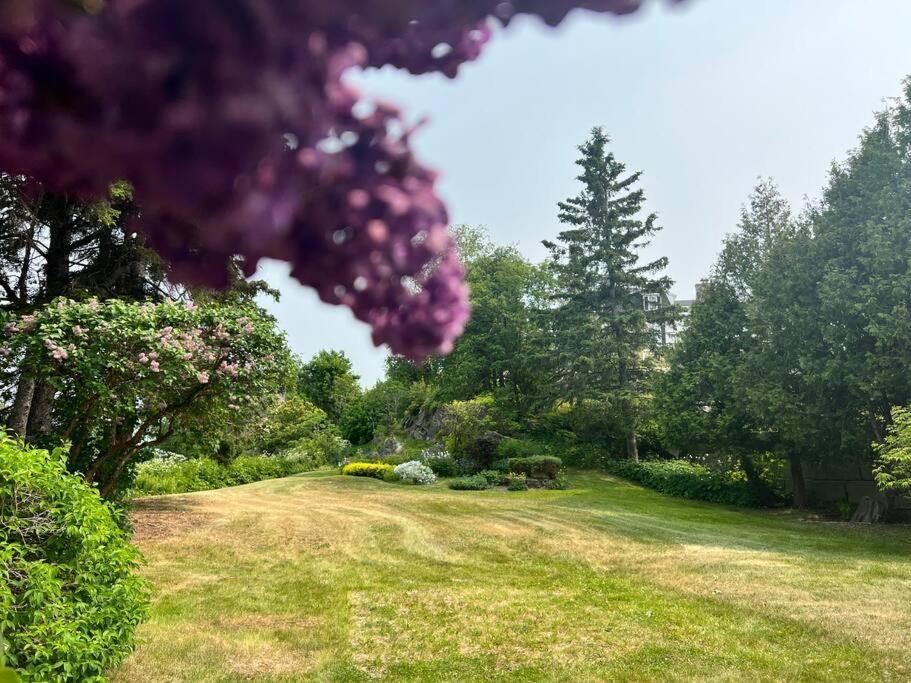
328	578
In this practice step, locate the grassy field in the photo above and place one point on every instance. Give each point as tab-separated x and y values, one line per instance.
321	577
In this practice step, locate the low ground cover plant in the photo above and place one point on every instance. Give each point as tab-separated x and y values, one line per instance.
377	470
70	600
687	480
414	472
475	482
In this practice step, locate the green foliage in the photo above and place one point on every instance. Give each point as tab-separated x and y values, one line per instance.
493	477
328	382
181	475
687	480
296	426
516	481
377	470
537	466
606	339
70	599
442	464
893	468
359	423
472	431
517	448
474	482
128	375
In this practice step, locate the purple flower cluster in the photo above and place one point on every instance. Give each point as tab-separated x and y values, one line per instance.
233	122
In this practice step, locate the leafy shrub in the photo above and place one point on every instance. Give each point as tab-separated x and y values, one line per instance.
516	481
465	423
517	448
482	450
377	470
500	465
180	475
687	480
442	464
415	472
473	483
69	596
893	467
360	421
493	477
537	466
560	482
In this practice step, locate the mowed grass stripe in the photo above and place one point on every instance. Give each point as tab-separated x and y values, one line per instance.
320	577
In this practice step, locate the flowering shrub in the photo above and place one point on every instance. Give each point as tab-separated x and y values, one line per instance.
127	374
516	481
69	596
256	144
440	461
377	470
415	472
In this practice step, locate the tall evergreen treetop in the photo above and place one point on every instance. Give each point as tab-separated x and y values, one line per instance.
602	320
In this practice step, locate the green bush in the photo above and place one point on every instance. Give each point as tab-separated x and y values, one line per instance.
180	475
377	470
473	483
443	465
70	599
516	481
517	448
360	421
893	466
687	480
537	466
493	477
560	482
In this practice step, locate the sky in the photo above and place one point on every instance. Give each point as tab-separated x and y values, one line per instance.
704	98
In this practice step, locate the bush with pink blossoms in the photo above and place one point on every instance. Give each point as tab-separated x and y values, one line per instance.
127	376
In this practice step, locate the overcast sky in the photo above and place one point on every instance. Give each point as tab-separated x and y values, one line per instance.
704	99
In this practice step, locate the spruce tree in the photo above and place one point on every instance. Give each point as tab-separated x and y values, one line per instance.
608	309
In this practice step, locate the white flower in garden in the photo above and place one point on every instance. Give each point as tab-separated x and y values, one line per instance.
415	472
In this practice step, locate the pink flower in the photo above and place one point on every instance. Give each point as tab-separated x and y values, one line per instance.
93	304
153	355
153	366
202	377
28	321
191	306
78	331
60	353
10	328
143	358
5	352
248	328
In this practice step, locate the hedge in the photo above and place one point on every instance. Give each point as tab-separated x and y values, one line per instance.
687	480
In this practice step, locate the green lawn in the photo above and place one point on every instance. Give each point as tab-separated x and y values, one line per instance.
321	577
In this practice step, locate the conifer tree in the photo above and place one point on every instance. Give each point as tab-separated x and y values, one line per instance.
608	309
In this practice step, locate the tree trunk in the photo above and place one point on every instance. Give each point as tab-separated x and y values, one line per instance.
22	405
797	482
39	418
632	447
